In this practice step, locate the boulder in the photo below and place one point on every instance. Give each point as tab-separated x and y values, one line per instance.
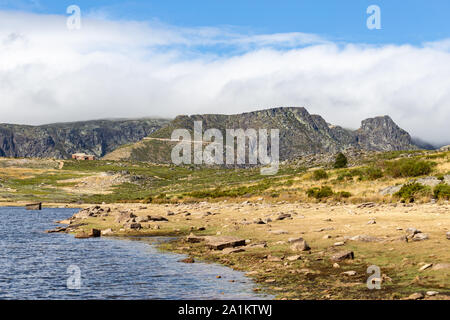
412	231
390	190
157	218
94	233
294	258
274	258
56	230
420	237
278	232
426	266
364	238
220	243
415	296
34	206
260	245
194	239
124	216
107	232
81	235
342	255
259	221
188	260
283	216
133	226
448	235
299	245
141	219
232	250
366	205
441	266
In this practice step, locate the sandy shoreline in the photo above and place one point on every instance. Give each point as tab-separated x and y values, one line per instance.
375	233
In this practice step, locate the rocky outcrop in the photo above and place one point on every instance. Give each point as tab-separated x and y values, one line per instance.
301	134
382	134
62	139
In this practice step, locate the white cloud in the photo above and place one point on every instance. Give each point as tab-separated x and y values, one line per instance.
133	69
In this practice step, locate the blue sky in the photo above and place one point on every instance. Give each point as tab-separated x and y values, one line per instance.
412	21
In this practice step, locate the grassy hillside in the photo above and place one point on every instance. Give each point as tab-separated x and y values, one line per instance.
306	179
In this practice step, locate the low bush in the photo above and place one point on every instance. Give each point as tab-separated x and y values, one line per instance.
320	193
410	191
343	194
374	173
442	191
404	168
320	174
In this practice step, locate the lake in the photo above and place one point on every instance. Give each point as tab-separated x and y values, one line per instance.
37	265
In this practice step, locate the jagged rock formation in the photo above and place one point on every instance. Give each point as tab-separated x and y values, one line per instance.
62	139
301	133
382	134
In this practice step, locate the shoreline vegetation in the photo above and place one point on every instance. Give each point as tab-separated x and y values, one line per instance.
309	232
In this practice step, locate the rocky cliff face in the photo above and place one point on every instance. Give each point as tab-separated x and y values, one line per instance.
301	133
381	133
61	140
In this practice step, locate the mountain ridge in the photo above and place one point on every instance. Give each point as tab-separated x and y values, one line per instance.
301	133
60	140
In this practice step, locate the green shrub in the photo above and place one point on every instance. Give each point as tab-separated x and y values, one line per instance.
410	191
320	174
344	175
320	193
341	161
343	194
442	191
374	173
404	168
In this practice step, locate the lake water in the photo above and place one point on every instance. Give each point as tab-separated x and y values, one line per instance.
37	265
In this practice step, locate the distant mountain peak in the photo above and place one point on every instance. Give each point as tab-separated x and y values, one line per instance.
301	133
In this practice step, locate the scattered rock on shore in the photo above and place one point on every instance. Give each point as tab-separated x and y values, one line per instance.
192	238
94	233
299	244
232	250
188	260
81	235
107	232
343	255
415	296
220	243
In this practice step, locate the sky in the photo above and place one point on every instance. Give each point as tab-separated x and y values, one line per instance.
134	59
